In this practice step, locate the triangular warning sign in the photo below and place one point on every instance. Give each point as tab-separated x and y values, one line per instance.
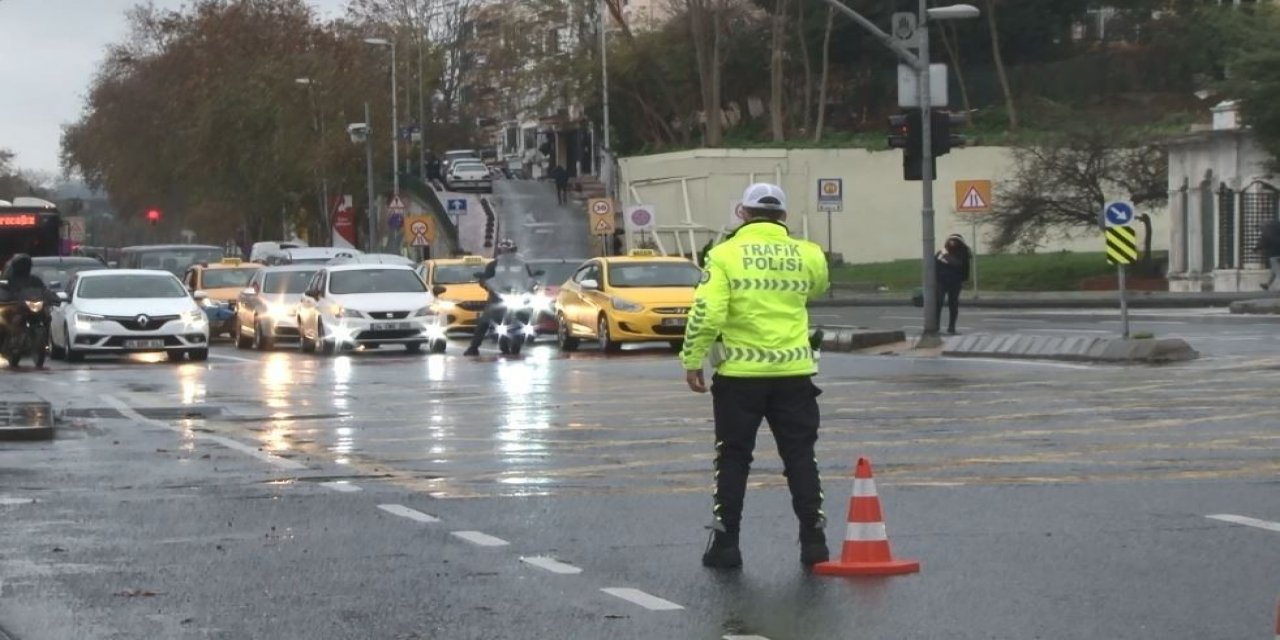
603	226
396	203
973	200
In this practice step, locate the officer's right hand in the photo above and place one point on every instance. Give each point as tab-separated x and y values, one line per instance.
697	383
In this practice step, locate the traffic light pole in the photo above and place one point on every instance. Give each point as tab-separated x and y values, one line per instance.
929	337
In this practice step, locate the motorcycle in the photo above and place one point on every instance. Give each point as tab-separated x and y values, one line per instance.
24	321
511	318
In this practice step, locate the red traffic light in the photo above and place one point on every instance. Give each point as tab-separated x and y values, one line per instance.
153	216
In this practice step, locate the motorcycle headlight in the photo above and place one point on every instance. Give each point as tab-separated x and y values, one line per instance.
36	306
541	302
511	300
626	305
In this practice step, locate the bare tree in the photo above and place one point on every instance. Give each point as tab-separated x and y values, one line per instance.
802	39
1000	70
954	54
705	17
1059	186
779	43
826	73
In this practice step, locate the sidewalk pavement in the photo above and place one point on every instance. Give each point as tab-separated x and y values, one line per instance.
1050	299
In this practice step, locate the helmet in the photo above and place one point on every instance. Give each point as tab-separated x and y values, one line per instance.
506	245
20	266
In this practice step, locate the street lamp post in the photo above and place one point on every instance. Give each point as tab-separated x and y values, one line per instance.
363	132
395	117
606	159
318	115
920	63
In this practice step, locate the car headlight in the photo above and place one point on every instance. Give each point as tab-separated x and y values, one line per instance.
425	311
349	313
278	312
194	317
84	321
445	305
626	305
541	302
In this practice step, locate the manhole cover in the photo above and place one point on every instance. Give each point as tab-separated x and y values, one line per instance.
26	421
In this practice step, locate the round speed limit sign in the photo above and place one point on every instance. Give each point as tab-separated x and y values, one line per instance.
601	207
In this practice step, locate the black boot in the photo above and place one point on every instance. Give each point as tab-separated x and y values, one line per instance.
722	551
813	544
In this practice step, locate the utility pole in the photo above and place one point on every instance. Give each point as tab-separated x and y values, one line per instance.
368	163
606	155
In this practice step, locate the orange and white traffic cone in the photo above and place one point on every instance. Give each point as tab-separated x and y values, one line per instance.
866	543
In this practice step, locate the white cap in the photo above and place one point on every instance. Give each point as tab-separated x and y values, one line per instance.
763	195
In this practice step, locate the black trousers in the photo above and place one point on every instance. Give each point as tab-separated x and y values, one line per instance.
950	294
483	323
562	193
791	407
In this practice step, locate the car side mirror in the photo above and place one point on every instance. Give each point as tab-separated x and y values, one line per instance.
590	284
63	297
55	285
249	292
439	290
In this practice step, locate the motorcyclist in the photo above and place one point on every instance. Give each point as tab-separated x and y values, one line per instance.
506	263
19	281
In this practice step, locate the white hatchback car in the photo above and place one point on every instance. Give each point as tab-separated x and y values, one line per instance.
366	305
469	175
118	311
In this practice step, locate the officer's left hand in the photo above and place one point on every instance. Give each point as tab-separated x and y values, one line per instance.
696	382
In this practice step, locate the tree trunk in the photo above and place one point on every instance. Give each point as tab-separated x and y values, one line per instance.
954	54
802	36
826	72
715	118
776	124
1000	71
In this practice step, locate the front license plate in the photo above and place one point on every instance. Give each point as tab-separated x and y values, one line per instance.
390	326
144	344
673	322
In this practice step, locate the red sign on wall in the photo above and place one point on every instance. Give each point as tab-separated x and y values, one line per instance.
344	223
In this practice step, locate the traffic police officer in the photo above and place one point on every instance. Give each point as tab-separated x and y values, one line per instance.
750	315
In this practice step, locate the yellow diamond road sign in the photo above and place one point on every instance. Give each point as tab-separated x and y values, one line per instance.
1122	245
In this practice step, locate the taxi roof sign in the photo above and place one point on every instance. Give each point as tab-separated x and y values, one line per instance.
232	261
473	259
642	253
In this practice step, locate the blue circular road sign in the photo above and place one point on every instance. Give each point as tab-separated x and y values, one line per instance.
395	221
1118	214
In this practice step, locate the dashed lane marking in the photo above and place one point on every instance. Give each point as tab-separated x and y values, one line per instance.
342	486
551	564
406	512
638	597
744	638
480	539
220	356
1247	521
128	412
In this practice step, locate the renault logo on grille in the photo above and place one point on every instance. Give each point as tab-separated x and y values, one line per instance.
143	320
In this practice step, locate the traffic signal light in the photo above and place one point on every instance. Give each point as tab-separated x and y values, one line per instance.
905	130
943	123
153	217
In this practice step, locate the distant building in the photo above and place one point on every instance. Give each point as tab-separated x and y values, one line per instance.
1221	192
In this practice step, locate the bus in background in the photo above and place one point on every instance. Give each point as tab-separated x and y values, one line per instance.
31	226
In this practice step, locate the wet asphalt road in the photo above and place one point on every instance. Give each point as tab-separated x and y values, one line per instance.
389	496
254	497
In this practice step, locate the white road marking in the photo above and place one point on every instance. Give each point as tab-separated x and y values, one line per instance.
480	539
551	564
128	412
744	638
234	358
1027	363
406	512
341	486
1247	521
636	596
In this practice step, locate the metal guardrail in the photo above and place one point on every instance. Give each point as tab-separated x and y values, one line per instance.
428	195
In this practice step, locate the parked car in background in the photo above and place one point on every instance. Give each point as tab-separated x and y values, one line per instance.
56	271
454	155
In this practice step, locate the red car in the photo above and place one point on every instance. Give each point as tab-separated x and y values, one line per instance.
556	273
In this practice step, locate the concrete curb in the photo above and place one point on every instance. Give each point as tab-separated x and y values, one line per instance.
844	339
1267	306
1070	349
1059	300
26	421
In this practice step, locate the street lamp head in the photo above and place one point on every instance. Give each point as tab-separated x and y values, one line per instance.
304	81
378	42
954	12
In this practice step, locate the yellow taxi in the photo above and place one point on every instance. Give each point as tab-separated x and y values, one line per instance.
642	297
463	298
223	282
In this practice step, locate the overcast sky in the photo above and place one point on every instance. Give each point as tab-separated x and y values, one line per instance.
48	53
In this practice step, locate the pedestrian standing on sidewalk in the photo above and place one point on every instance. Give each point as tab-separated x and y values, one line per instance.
561	177
953	264
1269	247
750	315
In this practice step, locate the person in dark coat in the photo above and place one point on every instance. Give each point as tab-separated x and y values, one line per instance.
953	267
1269	247
561	176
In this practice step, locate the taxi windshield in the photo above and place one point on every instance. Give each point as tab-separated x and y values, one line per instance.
654	274
456	273
286	282
375	281
227	278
